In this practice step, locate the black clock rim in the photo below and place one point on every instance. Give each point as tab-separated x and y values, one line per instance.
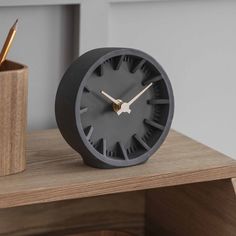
81	144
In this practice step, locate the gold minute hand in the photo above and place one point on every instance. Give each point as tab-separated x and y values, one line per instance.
110	98
139	94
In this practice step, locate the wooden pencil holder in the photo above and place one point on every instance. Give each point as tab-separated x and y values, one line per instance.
13	117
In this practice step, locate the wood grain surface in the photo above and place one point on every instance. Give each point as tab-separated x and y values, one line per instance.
123	212
56	172
102	233
13	116
205	209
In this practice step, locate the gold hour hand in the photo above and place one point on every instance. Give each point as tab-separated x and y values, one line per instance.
139	94
110	98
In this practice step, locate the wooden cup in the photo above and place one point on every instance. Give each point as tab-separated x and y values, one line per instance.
13	117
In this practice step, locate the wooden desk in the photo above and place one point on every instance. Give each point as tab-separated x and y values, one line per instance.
186	188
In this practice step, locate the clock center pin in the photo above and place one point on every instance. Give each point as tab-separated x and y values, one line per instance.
121	107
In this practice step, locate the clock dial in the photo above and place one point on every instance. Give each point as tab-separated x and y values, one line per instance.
114	106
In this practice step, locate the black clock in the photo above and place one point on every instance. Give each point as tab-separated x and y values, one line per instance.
114	106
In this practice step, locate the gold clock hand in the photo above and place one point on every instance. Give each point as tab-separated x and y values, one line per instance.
110	98
125	105
139	94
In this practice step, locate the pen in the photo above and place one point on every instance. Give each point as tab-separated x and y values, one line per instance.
8	42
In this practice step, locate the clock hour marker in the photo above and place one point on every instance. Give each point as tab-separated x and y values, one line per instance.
123	151
141	142
83	110
86	90
118	62
158	101
138	66
103	146
152	80
100	70
88	131
154	124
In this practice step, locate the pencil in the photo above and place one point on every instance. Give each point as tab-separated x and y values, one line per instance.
8	42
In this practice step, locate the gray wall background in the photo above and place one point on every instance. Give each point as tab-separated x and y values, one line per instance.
44	42
194	40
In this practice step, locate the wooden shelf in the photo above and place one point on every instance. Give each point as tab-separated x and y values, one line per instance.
185	189
56	172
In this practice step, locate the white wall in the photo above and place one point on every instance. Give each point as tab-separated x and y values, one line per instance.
195	41
44	42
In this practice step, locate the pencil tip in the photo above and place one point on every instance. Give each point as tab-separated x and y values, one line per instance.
15	24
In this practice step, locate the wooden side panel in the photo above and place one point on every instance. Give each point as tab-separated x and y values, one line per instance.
119	212
204	209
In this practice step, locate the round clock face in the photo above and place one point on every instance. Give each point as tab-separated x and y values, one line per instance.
114	106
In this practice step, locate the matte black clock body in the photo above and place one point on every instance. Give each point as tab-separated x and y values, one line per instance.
114	106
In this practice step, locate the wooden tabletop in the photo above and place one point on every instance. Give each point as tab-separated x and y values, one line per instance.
56	172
